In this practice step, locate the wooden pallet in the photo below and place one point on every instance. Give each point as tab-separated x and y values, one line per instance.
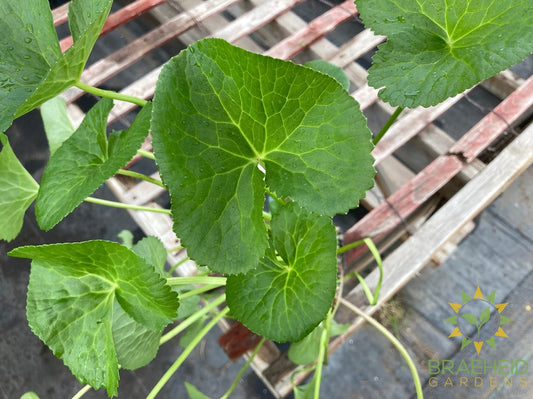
405	208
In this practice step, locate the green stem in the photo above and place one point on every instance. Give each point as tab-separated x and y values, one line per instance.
146	154
321	356
110	94
140	176
191	319
82	392
393	340
243	369
387	125
198	291
120	205
267	216
178	264
186	352
175	249
172	281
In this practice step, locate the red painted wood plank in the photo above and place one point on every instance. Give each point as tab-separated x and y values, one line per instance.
382	219
121	17
317	28
60	14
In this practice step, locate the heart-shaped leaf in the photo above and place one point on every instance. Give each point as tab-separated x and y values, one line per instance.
293	287
221	114
437	49
72	294
85	161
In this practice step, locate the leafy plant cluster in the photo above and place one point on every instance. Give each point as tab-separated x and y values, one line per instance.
230	129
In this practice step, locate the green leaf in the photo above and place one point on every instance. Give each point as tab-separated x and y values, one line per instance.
471	318
29	395
484	316
32	67
28	49
57	124
286	296
191	332
126	237
188	305
85	161
135	344
152	250
17	191
437	49
219	114
194	393
71	298
306	350
329	69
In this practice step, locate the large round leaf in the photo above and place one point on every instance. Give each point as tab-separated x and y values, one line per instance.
219	113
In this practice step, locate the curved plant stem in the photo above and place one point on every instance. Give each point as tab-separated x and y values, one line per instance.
172	281
82	392
393	340
178	264
372	298
186	352
322	354
120	205
146	154
175	249
110	94
387	125
191	319
243	369
140	176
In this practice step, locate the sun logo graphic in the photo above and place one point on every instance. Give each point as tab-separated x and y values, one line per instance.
478	320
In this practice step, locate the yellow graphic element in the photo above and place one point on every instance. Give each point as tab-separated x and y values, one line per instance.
456	306
501	306
455	333
489	299
501	333
528	307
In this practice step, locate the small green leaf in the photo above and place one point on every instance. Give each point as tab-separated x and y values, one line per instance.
329	69
437	49
285	297
232	113
504	320
85	161
194	393
152	250
126	237
29	395
32	68
57	124
17	191
306	350
71	298
471	318
338	329
484	316
188	305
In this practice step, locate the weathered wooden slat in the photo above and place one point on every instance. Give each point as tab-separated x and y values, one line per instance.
121	17
60	14
404	201
255	19
317	28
